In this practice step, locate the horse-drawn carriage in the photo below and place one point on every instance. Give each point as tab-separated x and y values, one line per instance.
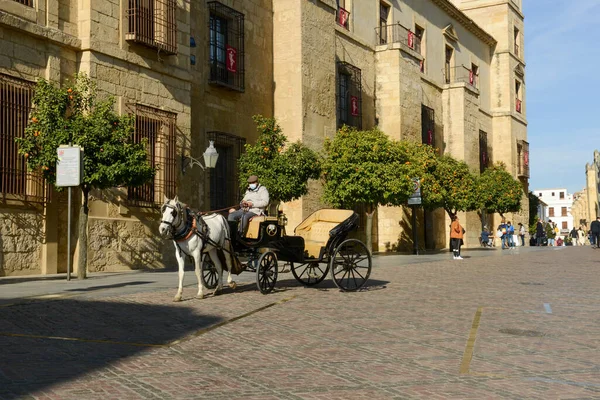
319	245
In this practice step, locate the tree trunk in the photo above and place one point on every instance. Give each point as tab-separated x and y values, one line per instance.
83	239
369	228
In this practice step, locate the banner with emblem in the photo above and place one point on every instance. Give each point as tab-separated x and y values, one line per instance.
231	59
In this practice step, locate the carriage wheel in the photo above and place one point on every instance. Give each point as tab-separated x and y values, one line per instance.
266	272
350	265
310	274
209	273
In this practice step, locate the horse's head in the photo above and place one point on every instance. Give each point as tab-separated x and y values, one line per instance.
172	211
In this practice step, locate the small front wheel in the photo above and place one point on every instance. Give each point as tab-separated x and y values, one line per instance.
350	265
209	273
311	273
266	272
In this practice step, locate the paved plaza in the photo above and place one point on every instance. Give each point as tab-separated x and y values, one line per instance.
511	324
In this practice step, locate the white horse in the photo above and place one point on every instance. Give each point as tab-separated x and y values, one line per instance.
192	240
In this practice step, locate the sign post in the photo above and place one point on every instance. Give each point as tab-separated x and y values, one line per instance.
68	174
415	200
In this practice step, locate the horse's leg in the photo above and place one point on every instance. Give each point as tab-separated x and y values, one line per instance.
180	262
215	259
198	257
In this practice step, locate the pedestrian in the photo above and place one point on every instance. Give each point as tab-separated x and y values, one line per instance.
550	233
581	236
456	237
510	231
595	227
503	229
574	235
522	234
539	232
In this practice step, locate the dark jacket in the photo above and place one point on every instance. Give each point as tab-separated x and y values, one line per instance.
539	229
595	226
574	233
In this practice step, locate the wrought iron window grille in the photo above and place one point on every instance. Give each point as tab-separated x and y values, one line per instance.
226	46
153	23
427	126
484	157
16	183
349	95
158	128
224	178
523	158
28	3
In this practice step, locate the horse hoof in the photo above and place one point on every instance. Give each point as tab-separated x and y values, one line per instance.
200	296
233	285
176	298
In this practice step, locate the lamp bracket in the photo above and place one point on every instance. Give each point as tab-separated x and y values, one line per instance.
189	162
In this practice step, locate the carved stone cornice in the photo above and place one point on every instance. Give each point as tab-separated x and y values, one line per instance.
465	21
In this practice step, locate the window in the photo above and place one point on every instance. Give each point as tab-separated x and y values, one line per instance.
518	96
158	128
28	3
420	34
448	64
226	46
551	211
565	225
15	103
561	195
343	15
523	159
153	23
224	178
384	12
539	195
517	39
563	211
349	95
552	193
474	75
427	126
483	152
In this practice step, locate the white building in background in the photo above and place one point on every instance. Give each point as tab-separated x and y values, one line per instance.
558	209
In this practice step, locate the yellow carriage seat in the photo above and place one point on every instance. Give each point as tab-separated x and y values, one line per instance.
315	229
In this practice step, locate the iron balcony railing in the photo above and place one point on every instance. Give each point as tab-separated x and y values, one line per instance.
461	74
153	23
523	158
28	3
396	33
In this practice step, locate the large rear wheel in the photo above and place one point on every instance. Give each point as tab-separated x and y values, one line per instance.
350	265
266	272
311	273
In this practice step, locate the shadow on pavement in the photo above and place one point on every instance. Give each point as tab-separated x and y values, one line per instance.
35	352
115	285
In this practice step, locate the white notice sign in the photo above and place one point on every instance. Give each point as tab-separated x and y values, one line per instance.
68	167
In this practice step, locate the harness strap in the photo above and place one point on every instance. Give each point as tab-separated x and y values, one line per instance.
191	232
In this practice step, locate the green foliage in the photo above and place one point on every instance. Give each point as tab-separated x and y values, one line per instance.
366	167
498	191
284	170
74	114
448	184
534	203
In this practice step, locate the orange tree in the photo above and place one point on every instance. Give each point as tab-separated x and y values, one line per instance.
367	168
284	169
498	192
74	114
449	184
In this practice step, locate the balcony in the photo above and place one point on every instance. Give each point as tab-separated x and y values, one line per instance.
396	33
461	74
28	3
518	105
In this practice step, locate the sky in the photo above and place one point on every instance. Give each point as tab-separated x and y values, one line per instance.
562	80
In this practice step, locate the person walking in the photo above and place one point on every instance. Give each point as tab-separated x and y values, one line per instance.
504	229
550	233
510	233
574	235
581	236
539	233
522	234
456	237
595	227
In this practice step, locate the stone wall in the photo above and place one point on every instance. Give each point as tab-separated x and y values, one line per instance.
21	241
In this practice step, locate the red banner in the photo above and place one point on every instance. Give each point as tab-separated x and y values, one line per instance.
429	137
343	17
411	40
231	59
526	158
518	105
354	105
471	77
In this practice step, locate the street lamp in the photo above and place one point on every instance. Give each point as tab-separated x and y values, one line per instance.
210	159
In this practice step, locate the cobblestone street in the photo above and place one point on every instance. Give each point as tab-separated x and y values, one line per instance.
499	324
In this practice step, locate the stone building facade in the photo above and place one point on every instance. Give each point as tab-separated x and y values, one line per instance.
447	73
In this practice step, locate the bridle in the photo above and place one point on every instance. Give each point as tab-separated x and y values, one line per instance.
176	212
